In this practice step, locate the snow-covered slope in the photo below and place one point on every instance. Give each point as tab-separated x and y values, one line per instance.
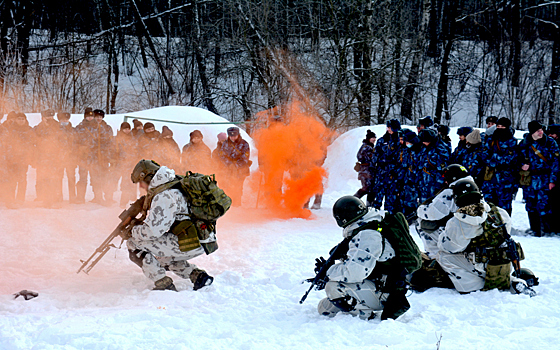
253	303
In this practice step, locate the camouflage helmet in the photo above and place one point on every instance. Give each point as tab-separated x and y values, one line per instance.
348	209
466	193
454	172
144	171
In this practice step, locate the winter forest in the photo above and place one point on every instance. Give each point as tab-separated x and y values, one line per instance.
355	62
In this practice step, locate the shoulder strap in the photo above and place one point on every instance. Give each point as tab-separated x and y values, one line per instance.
539	154
152	192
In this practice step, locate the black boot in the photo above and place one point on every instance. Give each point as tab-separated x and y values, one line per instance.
200	279
534	223
546	225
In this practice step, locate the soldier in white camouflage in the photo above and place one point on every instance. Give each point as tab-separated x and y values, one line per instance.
151	244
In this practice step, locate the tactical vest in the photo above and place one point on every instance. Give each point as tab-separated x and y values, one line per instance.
491	248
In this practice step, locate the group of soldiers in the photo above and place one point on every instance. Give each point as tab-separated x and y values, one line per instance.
406	168
55	147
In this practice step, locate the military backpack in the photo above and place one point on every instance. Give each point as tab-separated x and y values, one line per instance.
207	202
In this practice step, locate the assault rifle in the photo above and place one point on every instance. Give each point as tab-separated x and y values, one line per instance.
128	218
319	280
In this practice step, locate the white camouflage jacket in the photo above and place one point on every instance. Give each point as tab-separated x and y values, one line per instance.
365	250
441	206
167	207
462	228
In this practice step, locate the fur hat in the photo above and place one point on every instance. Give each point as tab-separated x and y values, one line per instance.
534	126
427	135
88	112
492	119
503	121
99	112
125	125
165	131
222	137
47	113
370	134
63	116
11	116
394	124
464	130
553	129
196	133
136	123
411	137
426	121
443	130
149	125
474	137
233	131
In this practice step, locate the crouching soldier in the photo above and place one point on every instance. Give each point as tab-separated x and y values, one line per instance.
476	249
153	244
371	272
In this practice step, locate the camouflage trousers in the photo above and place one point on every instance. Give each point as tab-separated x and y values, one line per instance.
466	275
163	254
500	194
537	195
428	185
363	296
409	198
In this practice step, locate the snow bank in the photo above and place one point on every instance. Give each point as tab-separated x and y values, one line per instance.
253	303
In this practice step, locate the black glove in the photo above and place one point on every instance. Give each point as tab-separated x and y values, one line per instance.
319	264
320	285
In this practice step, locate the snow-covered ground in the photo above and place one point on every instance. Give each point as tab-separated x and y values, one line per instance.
253	303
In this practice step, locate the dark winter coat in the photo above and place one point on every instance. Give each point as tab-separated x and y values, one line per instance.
235	155
500	152
196	157
538	166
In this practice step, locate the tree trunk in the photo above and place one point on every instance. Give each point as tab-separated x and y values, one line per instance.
414	73
554	80
516	39
201	63
442	105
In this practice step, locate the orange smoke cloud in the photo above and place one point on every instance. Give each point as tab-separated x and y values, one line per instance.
291	154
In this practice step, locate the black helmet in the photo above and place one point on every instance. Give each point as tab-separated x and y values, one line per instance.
528	276
454	172
466	193
348	209
144	171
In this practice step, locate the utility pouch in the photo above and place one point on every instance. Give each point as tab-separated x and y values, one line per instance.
525	178
497	276
357	167
187	235
207	236
489	173
429	226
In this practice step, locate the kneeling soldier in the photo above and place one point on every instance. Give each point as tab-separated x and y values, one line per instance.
152	244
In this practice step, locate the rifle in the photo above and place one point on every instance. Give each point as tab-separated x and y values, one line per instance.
128	216
336	253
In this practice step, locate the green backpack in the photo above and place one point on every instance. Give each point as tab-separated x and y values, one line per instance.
394	228
206	200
